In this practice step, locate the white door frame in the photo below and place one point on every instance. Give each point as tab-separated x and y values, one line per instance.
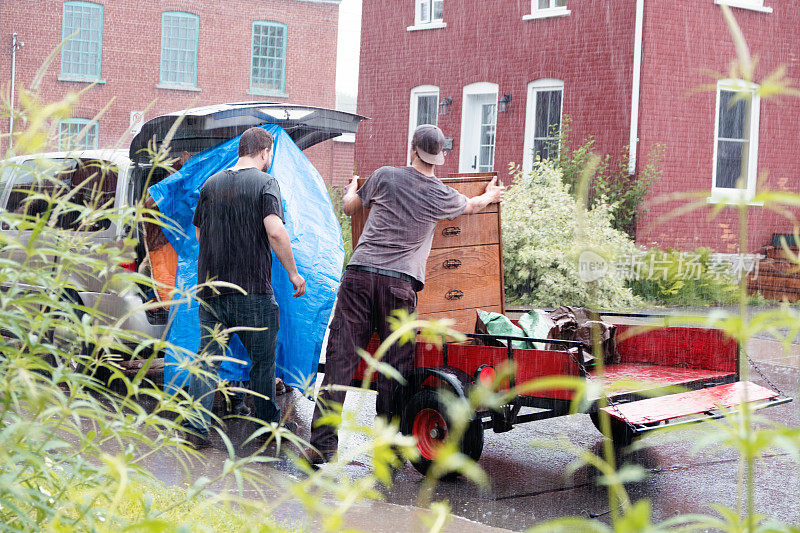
470	122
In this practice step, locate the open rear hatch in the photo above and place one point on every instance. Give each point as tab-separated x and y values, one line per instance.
203	127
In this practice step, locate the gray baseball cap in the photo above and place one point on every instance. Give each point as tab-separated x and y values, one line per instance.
428	141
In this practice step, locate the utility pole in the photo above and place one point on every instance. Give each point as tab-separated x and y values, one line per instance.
15	45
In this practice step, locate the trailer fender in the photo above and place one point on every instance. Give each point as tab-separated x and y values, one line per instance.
453	379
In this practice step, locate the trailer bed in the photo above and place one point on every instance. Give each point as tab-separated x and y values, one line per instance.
649	376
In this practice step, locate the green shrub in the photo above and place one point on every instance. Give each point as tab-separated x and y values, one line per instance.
671	277
543	236
336	194
611	184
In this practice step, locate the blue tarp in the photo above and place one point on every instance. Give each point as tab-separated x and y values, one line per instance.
316	242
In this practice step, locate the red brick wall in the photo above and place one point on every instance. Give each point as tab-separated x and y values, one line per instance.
343	168
680	47
132	48
591	50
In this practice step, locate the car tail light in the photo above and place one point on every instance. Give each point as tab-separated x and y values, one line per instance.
485	375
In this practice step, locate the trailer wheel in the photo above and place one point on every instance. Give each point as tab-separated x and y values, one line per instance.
425	417
621	433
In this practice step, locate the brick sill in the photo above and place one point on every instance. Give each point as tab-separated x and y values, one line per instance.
81	80
276	94
179	87
430	26
732	201
744	4
547	13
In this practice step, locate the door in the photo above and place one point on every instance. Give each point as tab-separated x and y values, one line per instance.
479	126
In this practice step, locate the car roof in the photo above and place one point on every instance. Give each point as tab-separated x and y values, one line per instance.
199	128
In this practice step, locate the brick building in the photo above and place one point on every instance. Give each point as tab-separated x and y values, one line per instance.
160	56
498	77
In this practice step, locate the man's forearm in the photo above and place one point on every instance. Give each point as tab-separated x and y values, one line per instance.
477	203
282	246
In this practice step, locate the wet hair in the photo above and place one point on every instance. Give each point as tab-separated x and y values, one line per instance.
253	141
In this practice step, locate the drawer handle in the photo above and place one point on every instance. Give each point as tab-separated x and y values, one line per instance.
451	264
451	231
455	294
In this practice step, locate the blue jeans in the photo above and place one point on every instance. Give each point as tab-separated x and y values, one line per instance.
240	310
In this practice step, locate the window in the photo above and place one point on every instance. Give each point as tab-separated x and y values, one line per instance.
429	11
539	5
735	140
542	120
179	48
428	14
77	134
547	8
487	134
268	58
424	109
478	127
81	54
52	179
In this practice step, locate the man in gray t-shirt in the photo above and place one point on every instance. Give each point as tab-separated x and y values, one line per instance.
405	206
387	269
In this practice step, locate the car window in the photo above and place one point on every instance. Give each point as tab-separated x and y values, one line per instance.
5	174
73	183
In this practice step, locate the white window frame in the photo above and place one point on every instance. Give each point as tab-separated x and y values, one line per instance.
753	5
473	89
720	193
416	92
546	12
536	86
429	24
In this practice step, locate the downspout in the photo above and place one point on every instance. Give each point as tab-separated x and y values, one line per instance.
637	75
15	45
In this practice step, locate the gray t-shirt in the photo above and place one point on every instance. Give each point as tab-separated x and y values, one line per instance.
234	246
405	207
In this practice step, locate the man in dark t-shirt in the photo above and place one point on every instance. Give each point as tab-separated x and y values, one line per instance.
239	223
387	269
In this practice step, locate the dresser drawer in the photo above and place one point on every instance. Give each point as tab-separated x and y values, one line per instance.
459	278
468	230
464	319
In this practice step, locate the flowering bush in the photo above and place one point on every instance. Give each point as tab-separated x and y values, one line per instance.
545	231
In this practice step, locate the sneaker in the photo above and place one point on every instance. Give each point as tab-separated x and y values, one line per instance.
193	439
239	409
317	457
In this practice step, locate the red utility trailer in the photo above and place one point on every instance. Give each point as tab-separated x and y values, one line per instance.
704	362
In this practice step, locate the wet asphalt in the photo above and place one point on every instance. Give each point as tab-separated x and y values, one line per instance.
530	484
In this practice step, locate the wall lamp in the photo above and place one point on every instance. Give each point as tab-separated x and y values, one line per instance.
503	103
444	105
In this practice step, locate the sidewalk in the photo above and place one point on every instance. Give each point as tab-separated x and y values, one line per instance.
772	352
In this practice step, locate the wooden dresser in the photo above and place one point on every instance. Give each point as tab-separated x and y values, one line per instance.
465	267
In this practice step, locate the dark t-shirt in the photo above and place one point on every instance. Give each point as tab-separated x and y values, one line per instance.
233	241
405	207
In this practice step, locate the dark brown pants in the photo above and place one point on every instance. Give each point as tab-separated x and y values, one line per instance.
365	300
